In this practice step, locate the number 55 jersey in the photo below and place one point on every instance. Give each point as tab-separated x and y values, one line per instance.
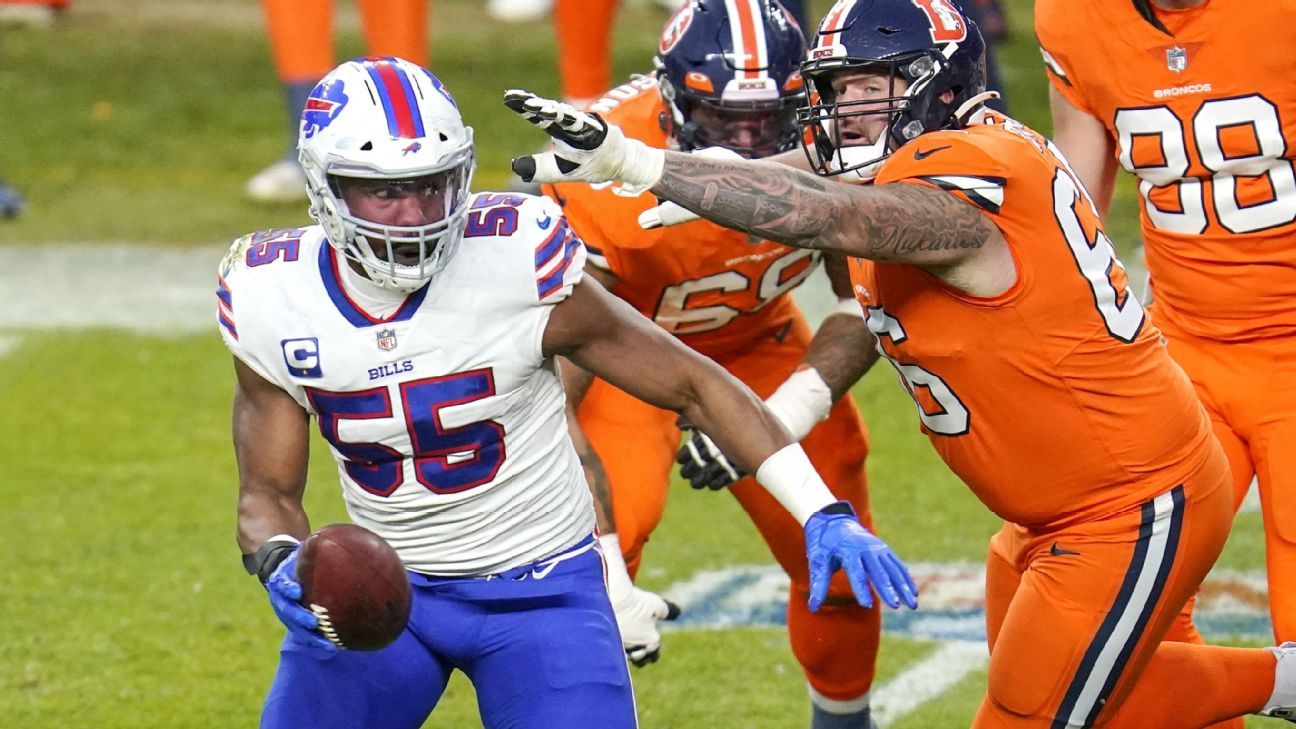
445	419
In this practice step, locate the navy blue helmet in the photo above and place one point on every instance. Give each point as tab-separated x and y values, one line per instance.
930	44
730	73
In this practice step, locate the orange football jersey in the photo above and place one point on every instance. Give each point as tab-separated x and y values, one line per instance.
1206	118
715	288
1056	400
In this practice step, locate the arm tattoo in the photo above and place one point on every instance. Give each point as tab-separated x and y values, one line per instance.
600	489
897	223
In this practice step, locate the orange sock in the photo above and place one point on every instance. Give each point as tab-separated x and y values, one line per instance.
396	28
836	646
301	38
1196	686
584	29
1182	630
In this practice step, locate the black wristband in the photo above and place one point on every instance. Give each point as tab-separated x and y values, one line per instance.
263	562
839	507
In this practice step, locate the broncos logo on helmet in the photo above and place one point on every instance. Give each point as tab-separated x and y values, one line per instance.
729	71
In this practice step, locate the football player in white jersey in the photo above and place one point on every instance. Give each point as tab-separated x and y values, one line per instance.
418	323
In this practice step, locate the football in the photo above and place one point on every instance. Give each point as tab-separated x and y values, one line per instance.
356	585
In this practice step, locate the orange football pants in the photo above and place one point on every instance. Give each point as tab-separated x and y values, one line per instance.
301	34
1249	390
836	646
1076	615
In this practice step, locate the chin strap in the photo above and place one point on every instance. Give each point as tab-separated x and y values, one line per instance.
971	112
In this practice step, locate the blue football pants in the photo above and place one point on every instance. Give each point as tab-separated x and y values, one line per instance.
539	643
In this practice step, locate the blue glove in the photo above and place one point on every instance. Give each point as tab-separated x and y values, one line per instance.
835	538
285	591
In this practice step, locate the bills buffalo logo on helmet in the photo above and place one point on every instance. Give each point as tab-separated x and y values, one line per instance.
326	101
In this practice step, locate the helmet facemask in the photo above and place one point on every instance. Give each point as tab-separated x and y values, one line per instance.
753	129
931	45
909	114
401	257
392	133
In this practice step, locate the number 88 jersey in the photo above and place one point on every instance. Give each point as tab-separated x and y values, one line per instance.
1205	117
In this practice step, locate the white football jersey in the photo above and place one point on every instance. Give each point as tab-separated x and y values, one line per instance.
446	421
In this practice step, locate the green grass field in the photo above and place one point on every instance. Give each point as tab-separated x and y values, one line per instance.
122	603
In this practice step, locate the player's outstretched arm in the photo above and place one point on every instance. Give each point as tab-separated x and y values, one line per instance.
607	337
898	223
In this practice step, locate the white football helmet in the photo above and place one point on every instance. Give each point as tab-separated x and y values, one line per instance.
386	119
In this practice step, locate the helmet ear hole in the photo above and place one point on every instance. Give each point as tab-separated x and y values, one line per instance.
443	136
366	147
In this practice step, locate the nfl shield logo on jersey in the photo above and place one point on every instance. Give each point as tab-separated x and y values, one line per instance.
1176	58
386	339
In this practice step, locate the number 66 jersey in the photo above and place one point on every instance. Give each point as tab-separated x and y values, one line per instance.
445	419
1055	400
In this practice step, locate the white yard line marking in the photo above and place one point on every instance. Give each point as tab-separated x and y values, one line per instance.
163	291
927	679
8	344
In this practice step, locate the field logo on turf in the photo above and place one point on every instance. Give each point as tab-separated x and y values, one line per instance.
1230	604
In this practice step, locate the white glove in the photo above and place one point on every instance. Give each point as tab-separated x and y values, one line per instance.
586	148
637	611
666	214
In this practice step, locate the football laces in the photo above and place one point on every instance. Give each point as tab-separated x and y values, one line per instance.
326	625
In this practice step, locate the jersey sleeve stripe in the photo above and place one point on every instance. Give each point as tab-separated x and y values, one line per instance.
223	291
225	306
984	192
229	325
551	245
1052	65
558	277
